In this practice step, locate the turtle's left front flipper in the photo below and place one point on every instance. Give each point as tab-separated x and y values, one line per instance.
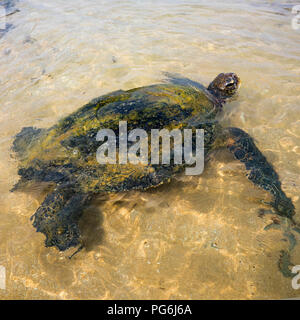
259	171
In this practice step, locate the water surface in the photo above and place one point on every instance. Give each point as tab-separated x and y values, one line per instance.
197	237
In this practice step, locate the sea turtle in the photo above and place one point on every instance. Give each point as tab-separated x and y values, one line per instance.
65	154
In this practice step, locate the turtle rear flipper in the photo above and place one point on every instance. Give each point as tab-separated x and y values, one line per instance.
57	217
24	139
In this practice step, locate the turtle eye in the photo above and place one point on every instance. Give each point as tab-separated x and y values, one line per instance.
230	85
60	231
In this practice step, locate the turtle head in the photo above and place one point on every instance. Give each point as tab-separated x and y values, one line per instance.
224	86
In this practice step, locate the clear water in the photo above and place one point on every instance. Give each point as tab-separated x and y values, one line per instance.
198	237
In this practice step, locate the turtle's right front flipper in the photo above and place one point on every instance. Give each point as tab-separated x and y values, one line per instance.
259	171
57	218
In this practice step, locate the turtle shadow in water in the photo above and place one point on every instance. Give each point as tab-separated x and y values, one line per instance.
90	225
177	79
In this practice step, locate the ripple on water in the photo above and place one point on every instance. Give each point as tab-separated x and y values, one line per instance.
197	237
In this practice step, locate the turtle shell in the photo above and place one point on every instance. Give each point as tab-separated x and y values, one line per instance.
67	151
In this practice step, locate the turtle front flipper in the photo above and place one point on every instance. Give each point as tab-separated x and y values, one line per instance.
57	218
259	171
26	137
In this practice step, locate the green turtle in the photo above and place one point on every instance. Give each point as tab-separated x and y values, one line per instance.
65	154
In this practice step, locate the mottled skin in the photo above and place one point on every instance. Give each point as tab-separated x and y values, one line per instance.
65	154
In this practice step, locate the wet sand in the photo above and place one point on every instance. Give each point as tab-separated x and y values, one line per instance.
198	237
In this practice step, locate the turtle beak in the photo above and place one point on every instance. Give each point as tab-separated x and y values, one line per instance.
237	81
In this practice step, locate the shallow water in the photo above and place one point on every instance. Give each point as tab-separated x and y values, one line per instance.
198	237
